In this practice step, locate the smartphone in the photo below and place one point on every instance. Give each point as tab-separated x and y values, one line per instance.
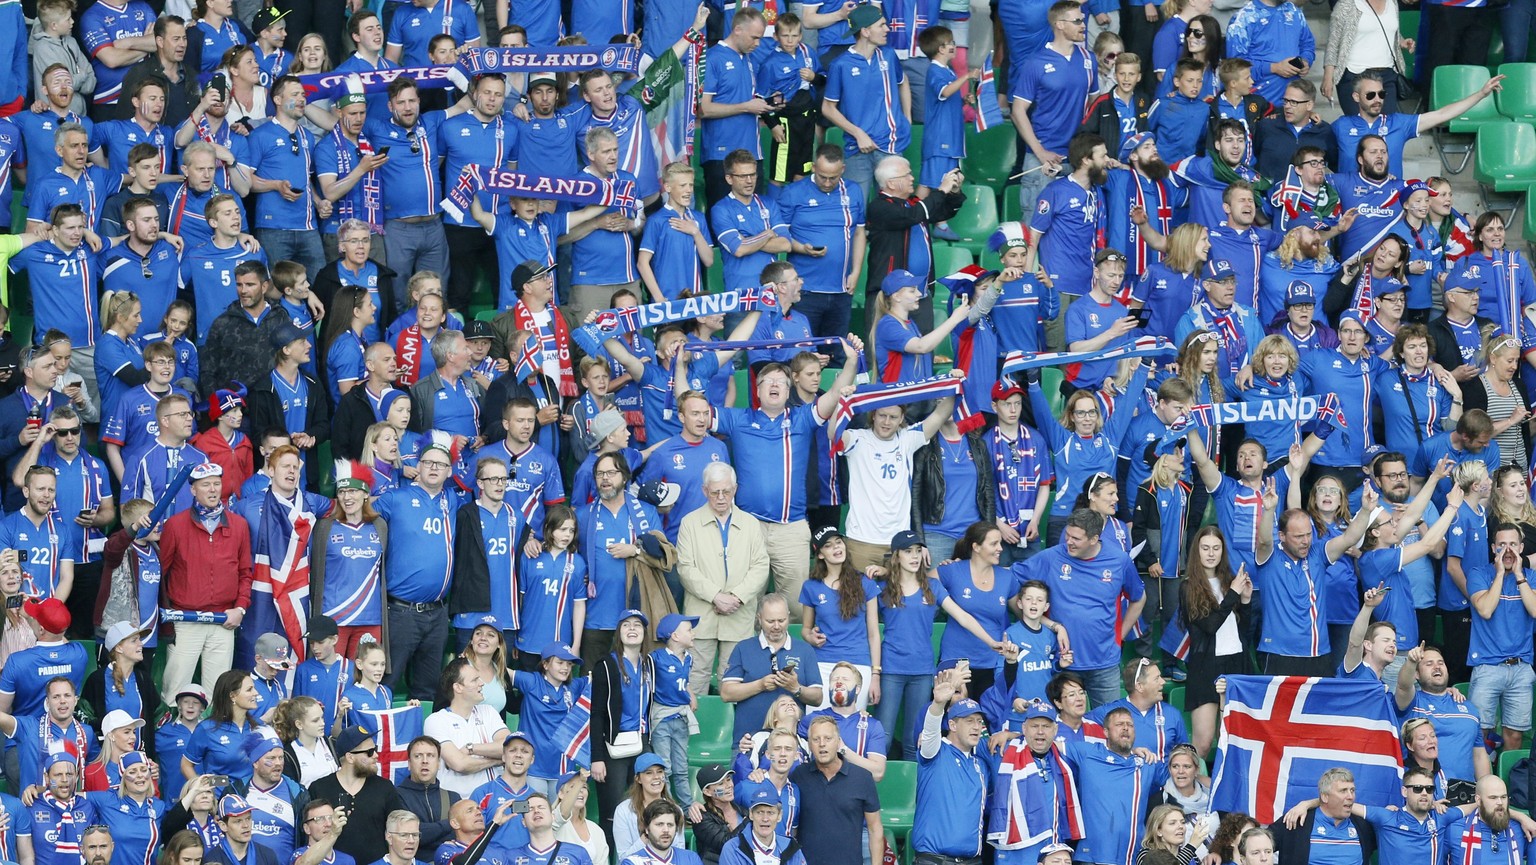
963	665
13	602
818	249
1297	62
520	806
220	85
219	780
21	557
791	664
384	151
87	512
1143	317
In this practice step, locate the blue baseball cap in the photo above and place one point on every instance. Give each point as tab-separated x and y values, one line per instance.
963	709
647	761
1299	292
1460	281
233	805
1220	269
905	540
670	622
561	651
258	745
284	334
489	620
1133	144
635	614
518	736
1039	709
58	757
898	279
761	794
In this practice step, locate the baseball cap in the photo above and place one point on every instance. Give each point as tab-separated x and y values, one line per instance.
258	745
477	329
1460	281
207	470
1299	292
50	613
561	651
648	760
823	536
898	279
714	773
605	423
761	794
117	719
527	272
119	632
348	740
1005	387
670	622
863	16
57	757
233	805
1039	709
191	690
1108	254
538	78
660	494
266	18
321	628
963	709
488	621
274	649
285	334
635	614
906	540
1049	849
1220	269
518	736
1132	144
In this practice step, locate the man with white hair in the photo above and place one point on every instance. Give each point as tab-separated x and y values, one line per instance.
722	561
897	223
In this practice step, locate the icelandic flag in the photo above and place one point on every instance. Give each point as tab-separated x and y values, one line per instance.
988	112
1175	640
908	18
574	734
392	731
1279	734
280	554
1023	812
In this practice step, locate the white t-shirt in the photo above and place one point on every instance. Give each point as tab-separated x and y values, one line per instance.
480	727
880	483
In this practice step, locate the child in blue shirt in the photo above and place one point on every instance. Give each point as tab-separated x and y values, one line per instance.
325	675
173	329
1038	654
788	75
289	278
944	115
554	587
175	733
673	704
1178	119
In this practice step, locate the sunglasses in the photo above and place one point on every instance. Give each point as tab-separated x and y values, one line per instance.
1421	788
66	431
1373	94
366	752
1195	34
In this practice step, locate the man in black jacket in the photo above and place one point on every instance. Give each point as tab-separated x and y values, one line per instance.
426	798
265	407
360	407
1333	818
357	265
892	217
238	344
482	556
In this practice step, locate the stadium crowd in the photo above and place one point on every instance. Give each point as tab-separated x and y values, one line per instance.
457	468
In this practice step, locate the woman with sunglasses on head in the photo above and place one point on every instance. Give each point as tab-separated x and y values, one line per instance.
722	818
1213	609
1087	439
1328	506
1501	392
1202	43
1186	789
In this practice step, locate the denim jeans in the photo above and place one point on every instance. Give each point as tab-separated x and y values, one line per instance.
827	314
304	247
413	247
1506	686
1515	23
416	640
941	548
1103	684
899	693
669	741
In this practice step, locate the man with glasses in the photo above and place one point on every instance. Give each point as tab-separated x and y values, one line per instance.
485	556
130	422
1276	138
419	562
363	801
323	825
898	227
731	105
1306	199
360	264
611	530
148	471
34	399
1378	114
82	490
825	215
402	831
748	228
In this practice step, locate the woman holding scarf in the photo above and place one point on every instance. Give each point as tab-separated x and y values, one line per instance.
1357	286
1416	402
1503	277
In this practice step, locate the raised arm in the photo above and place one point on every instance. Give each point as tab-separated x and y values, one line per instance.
1355	531
1356	651
1210	474
826	404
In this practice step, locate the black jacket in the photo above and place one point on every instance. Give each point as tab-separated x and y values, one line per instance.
328	282
264	411
471	589
1275	143
350	423
1103	118
238	349
430	805
608	701
504	389
889	223
1446	352
928	482
1202	631
1295	845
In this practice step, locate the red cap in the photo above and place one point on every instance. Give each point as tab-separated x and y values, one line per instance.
50	613
1004	388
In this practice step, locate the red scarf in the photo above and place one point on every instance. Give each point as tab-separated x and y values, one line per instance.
409	351
558	341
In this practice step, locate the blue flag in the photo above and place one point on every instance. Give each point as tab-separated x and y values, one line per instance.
1280	734
392	731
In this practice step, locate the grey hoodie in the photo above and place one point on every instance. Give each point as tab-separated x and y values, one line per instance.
47	50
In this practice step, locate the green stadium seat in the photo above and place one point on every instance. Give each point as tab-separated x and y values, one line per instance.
898	797
486	314
914	151
1517	99
1050	382
990	155
947	259
977	219
713	744
794	632
1175	697
1506	158
1507	761
1450	84
1408	26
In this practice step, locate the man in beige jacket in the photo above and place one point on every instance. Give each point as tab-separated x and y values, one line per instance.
722	561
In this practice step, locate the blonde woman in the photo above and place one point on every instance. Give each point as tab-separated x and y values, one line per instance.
1302	256
1274	377
312	58
381	452
1172	286
1159	520
1501	392
1168	839
308	755
486	652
